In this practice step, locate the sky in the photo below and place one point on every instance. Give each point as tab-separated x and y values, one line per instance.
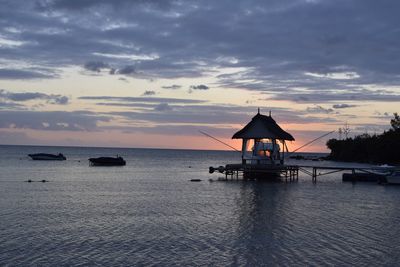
137	73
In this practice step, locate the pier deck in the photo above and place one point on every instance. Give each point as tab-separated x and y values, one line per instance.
330	169
249	171
291	172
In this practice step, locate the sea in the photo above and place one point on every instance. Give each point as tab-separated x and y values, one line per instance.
148	213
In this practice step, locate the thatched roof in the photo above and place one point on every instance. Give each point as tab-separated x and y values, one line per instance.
262	126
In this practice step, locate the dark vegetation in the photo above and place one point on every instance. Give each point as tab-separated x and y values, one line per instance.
383	148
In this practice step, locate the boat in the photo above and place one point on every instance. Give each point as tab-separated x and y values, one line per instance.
46	156
107	161
393	178
363	177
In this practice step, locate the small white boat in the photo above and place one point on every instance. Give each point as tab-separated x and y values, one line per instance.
393	178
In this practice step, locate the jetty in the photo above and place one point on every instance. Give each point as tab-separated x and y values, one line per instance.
248	171
291	172
263	151
362	174
263	157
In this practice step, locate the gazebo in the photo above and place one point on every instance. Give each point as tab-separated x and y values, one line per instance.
261	138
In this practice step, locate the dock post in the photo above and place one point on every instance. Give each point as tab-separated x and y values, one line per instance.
314	175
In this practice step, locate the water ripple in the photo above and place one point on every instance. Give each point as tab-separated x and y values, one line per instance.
136	216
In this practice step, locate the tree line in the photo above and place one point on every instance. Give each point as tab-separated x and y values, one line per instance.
382	148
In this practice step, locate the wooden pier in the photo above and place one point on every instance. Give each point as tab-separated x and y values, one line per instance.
249	171
263	155
291	172
325	170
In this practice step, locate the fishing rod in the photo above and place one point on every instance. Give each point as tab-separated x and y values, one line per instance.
206	134
312	141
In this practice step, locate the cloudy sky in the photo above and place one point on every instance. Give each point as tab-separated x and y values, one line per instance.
137	73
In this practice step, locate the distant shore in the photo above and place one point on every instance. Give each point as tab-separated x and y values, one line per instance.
365	148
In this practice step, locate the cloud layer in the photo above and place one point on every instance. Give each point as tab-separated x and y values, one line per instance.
274	45
51	120
21	97
325	57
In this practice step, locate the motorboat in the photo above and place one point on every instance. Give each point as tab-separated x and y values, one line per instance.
46	156
393	178
107	161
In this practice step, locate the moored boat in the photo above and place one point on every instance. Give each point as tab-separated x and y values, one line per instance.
393	178
107	161
363	177
46	156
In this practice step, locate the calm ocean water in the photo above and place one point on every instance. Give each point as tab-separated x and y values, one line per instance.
147	213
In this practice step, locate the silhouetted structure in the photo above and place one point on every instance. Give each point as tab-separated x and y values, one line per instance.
383	148
262	134
262	154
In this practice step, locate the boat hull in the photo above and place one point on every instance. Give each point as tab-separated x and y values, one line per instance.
362	177
393	179
107	161
44	156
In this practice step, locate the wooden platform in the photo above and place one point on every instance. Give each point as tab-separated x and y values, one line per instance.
291	172
313	171
261	171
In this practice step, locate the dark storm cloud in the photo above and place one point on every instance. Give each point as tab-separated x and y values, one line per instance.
51	120
275	46
20	97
